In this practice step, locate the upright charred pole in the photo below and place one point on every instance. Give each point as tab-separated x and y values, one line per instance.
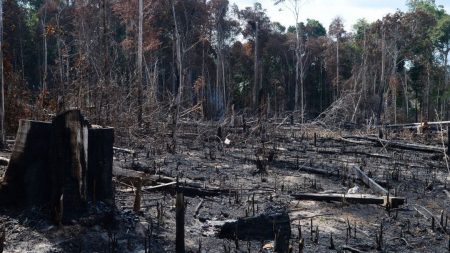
179	217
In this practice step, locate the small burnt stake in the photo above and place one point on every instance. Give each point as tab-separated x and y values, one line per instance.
301	245
432	223
331	242
316	238
137	198
380	133
219	132
299	230
379	238
179	206
199	245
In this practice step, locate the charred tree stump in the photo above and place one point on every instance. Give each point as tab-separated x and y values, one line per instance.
262	227
60	165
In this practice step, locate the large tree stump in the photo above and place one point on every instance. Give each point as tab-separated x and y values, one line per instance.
61	165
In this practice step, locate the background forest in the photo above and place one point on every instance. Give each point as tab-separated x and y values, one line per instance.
128	63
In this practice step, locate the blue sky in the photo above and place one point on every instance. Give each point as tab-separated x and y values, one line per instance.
325	10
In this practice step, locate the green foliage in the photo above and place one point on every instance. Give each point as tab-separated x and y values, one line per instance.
360	28
314	29
278	27
441	33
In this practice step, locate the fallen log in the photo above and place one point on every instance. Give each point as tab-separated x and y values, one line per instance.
400	144
415	125
369	182
188	187
193	191
348	152
314	170
263	227
350	198
345	139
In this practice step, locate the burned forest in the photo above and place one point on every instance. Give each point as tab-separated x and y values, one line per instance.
224	126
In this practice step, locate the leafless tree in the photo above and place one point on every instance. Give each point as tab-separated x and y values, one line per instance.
294	6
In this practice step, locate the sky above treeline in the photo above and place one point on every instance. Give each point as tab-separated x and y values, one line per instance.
325	10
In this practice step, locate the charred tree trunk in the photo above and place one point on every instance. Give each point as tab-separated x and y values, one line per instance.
100	158
69	147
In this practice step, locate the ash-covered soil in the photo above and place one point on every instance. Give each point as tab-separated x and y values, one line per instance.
262	168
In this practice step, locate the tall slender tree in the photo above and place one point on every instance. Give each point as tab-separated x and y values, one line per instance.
337	31
139	60
294	7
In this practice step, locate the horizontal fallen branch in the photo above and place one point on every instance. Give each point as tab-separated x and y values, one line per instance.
340	151
314	170
150	188
399	144
350	249
188	187
415	125
350	198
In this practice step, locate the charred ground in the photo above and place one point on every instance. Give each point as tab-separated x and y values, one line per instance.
263	170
